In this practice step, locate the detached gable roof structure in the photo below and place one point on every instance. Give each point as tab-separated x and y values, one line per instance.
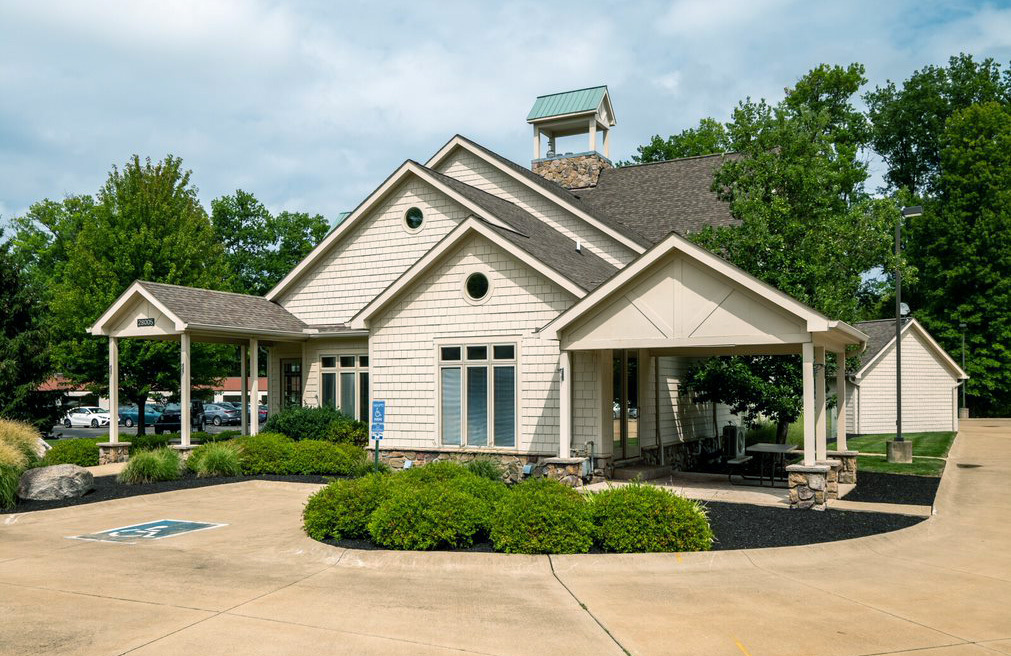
520	313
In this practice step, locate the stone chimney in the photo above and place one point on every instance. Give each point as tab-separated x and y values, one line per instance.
584	111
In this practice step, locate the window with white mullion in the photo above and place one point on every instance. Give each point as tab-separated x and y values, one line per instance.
344	384
478	395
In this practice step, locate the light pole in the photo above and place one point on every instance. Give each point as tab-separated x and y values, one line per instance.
900	453
963	326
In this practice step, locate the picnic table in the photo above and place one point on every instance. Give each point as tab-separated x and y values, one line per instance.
772	456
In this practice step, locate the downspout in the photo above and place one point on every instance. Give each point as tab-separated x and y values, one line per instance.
656	406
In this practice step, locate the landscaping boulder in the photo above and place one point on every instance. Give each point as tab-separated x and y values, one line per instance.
56	482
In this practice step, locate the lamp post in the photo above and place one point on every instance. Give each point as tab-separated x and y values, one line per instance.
963	326
900	453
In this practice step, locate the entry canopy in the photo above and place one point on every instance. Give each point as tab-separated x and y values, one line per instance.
680	298
160	311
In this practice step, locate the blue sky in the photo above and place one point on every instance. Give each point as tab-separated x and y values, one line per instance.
311	105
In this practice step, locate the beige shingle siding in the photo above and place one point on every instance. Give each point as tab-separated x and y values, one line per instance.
376	252
587	402
404	337
927	400
474	171
680	419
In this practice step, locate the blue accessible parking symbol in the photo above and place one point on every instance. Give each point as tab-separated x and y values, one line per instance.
163	528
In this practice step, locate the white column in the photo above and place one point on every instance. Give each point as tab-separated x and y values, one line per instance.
565	405
114	390
820	437
807	373
537	142
254	401
593	134
840	387
607	143
184	392
244	389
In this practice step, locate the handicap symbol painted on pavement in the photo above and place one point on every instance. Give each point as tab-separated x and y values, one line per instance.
163	528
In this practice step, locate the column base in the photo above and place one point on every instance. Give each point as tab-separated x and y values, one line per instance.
832	479
848	470
184	451
900	452
111	452
808	486
963	413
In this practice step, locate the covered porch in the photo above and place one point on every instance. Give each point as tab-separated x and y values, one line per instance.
186	315
679	303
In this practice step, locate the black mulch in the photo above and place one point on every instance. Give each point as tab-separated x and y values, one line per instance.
106	488
894	488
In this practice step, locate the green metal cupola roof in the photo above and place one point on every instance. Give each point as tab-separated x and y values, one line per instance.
569	103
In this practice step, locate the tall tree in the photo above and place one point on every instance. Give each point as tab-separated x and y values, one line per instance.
147	224
961	246
24	345
261	248
908	121
709	137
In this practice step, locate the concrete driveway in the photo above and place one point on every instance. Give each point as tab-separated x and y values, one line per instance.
258	586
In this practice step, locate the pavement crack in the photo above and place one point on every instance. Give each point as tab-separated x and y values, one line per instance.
585	608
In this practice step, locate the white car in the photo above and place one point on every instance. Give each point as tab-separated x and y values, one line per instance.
87	415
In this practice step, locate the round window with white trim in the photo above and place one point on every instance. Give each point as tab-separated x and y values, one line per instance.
477	287
413	218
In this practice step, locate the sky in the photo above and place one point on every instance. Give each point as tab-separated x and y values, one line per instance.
310	105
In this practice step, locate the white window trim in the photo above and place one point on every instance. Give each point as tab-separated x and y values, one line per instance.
424	219
336	370
486	272
463	343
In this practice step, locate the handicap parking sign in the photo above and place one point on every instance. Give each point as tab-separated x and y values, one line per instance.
378	419
162	528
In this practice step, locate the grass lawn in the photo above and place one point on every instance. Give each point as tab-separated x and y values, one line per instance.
919	466
935	445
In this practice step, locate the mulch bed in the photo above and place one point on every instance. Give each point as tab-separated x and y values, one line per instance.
894	488
106	488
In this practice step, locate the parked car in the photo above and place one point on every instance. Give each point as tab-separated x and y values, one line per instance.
220	413
128	415
87	415
170	420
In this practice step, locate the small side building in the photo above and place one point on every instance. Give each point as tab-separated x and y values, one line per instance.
930	382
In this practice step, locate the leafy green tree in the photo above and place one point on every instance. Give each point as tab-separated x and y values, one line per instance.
24	345
260	248
908	122
146	224
709	137
961	247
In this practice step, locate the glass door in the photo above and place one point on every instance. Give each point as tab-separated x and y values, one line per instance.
291	383
625	404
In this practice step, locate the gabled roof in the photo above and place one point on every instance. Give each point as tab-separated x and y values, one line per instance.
568	103
651	200
881	335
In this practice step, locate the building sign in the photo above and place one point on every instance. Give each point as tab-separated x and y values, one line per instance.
378	419
163	528
144	323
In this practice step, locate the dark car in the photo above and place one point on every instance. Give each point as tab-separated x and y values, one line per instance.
170	420
221	413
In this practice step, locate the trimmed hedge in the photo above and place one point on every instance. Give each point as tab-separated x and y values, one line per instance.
343	508
542	515
638	517
150	466
318	457
266	453
82	451
438	514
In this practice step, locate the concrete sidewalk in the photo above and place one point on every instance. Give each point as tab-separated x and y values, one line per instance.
259	586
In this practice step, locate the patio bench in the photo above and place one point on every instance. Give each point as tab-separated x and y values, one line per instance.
735	464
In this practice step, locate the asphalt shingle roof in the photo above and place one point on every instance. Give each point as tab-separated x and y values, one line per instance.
879	334
225	309
535	237
653	200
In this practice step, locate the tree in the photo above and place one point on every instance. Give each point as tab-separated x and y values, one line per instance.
24	345
147	224
961	246
260	248
709	137
908	122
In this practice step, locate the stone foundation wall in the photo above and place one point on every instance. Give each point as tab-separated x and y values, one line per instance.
682	456
808	486
511	463
575	172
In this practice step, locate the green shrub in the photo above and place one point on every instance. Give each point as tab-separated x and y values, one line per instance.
343	508
303	422
21	436
151	466
486	468
215	460
148	442
542	516
266	453
345	430
642	517
318	457
420	517
437	471
223	436
10	476
13	457
81	451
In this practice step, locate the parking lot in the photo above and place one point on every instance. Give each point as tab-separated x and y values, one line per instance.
59	431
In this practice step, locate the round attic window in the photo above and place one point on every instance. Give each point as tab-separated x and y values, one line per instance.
477	286
413	219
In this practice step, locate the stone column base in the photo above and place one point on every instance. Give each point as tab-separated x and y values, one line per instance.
901	452
112	452
963	413
807	486
832	478
848	470
566	470
184	451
